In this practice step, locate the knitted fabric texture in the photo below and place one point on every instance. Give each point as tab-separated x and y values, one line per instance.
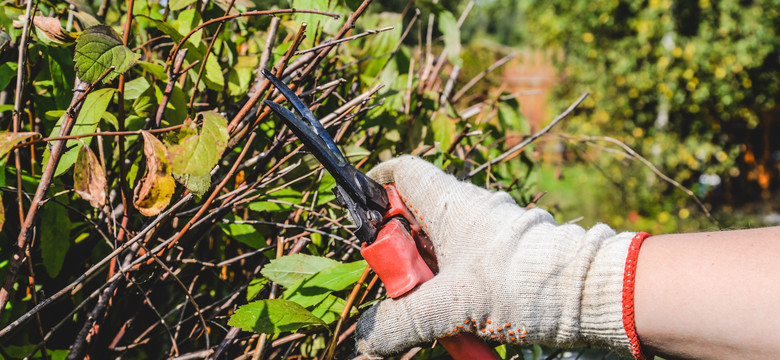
506	273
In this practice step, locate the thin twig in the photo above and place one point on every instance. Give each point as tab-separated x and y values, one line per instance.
348	38
654	169
481	75
173	75
345	312
206	57
529	140
244	14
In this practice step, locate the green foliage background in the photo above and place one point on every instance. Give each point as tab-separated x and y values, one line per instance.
691	86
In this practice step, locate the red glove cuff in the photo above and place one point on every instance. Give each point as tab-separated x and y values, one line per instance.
628	295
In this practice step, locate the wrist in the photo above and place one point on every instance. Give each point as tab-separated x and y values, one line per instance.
607	316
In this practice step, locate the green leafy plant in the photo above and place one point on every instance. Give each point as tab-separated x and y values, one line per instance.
168	213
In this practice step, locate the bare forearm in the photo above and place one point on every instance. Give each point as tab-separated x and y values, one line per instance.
710	295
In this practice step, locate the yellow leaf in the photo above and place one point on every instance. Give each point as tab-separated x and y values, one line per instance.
89	178
153	193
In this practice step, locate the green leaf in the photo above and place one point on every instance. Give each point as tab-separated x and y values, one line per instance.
329	310
136	87
240	75
304	295
91	112
448	26
197	154
443	130
510	117
55	237
245	233
273	316
7	72
315	288
62	75
197	185
290	269
337	277
4	40
176	108
158	71
9	139
99	48
187	21
537	351
212	74
254	288
145	104
180	4
285	195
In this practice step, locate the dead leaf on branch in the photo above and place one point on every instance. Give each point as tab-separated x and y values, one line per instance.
49	26
9	139
153	193
89	178
2	212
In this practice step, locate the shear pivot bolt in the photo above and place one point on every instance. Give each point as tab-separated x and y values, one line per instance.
374	217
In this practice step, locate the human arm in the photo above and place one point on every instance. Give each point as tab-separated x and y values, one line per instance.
565	286
710	295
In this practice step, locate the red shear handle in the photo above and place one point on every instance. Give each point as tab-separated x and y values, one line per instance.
394	257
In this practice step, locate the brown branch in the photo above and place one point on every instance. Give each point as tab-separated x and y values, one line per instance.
350	24
345	312
278	71
70	288
348	38
529	140
173	75
17	114
43	186
206	57
244	14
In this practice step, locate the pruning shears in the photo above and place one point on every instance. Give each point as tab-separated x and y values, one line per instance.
392	241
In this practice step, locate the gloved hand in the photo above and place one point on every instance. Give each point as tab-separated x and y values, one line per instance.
506	273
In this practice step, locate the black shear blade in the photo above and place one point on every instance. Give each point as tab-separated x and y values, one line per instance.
314	123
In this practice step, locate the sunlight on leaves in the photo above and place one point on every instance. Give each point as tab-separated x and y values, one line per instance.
9	139
153	193
98	48
273	316
197	154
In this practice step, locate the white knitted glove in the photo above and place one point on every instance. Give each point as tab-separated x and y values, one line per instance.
506	273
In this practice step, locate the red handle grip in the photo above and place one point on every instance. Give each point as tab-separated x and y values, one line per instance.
395	257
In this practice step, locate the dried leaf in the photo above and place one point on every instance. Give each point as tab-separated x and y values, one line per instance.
2	212
52	28
153	193
89	178
9	139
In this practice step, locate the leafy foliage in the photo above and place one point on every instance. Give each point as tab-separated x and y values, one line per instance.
97	49
179	206
690	85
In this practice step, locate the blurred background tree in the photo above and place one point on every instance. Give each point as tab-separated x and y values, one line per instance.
690	85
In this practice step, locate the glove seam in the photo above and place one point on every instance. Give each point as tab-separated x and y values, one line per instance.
629	322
